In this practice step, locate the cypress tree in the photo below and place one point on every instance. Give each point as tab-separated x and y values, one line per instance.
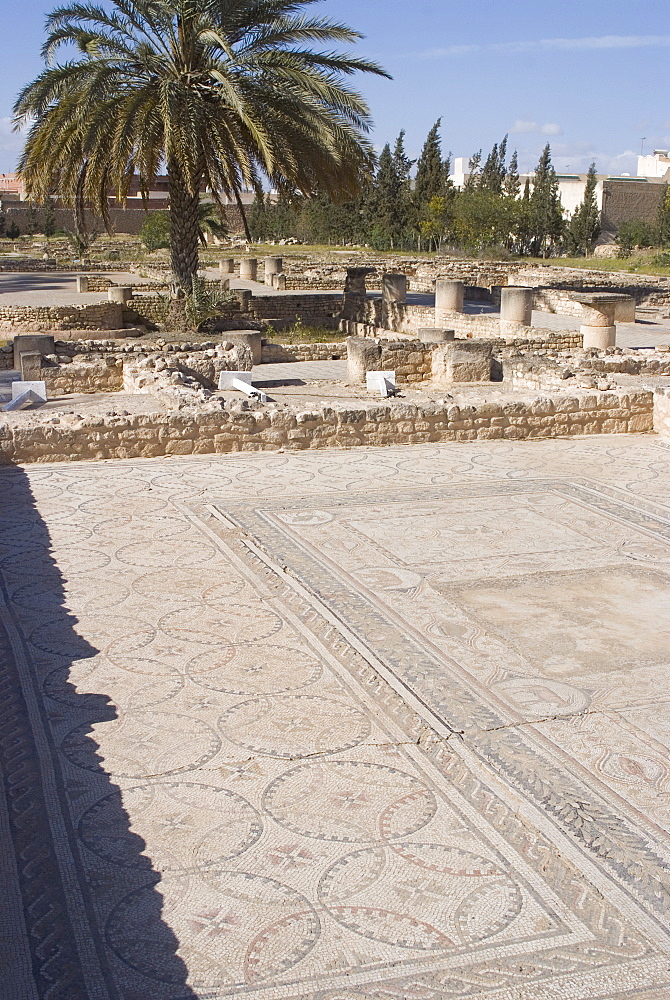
512	186
584	225
494	170
547	221
386	210
432	180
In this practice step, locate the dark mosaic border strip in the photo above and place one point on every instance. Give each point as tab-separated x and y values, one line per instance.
56	966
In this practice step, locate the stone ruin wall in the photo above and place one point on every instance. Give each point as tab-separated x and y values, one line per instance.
69	437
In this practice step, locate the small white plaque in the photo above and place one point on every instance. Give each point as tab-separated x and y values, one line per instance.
39	388
381	382
226	379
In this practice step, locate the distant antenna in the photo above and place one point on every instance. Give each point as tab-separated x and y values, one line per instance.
644	138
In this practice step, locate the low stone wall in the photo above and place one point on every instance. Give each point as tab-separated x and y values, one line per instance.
530	337
277	353
311	310
83	377
98	316
662	412
29	437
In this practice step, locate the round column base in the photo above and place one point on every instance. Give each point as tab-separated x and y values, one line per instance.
599	337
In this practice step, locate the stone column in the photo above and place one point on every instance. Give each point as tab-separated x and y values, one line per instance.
362	356
246	338
598	327
119	293
279	281
273	265
355	293
248	268
516	308
82	283
243	296
449	296
227	266
394	288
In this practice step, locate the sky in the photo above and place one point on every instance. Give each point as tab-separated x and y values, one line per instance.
588	76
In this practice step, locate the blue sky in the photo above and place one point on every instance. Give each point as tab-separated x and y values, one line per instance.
589	76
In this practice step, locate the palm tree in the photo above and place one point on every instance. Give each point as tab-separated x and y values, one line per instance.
222	93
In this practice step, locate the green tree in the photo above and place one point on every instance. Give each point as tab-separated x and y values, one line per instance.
31	220
635	233
155	231
49	217
663	224
385	207
12	232
584	226
512	186
474	172
221	92
494	170
432	179
547	222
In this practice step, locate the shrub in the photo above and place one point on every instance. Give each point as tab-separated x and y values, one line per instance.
155	231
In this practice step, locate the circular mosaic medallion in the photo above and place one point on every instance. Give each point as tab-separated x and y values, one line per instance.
58	637
157	652
429	897
349	801
294	725
233	929
165	553
254	669
141	744
94	683
231	624
183	826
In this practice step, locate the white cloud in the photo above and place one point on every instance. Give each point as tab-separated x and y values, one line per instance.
551	44
521	126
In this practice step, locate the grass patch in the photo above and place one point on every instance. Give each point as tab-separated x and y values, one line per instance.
300	334
640	263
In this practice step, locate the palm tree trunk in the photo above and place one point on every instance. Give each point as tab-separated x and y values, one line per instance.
184	228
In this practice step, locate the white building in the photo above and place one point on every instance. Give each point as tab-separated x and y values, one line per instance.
656	165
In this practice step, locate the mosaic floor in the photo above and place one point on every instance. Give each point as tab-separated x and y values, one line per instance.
391	724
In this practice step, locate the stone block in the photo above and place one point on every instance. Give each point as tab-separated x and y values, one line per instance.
462	361
31	366
28	343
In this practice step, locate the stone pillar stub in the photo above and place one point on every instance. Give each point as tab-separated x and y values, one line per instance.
355	292
516	305
273	265
82	283
449	295
227	265
243	296
363	356
600	337
249	268
394	287
28	343
119	293
599	310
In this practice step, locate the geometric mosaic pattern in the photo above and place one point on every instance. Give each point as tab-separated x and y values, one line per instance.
390	724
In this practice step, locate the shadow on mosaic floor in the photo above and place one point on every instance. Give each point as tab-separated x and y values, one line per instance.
69	891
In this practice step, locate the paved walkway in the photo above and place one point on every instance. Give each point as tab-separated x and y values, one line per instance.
338	726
